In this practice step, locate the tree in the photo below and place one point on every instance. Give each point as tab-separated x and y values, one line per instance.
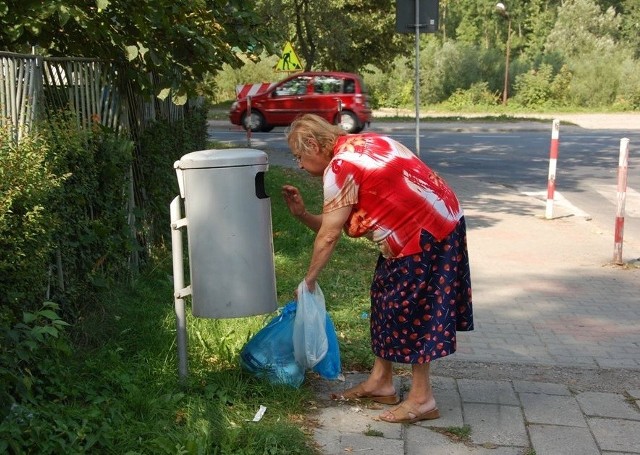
338	35
540	16
178	41
630	30
582	28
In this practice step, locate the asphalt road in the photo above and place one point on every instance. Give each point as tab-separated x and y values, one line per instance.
514	155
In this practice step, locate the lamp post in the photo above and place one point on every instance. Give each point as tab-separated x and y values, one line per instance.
503	11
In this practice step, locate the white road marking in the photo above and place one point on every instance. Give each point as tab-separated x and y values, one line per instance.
632	198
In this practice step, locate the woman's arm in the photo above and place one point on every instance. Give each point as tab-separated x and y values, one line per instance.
329	233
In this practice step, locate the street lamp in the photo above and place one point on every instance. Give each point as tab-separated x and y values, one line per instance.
503	11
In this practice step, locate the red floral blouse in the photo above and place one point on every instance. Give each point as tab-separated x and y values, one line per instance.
393	193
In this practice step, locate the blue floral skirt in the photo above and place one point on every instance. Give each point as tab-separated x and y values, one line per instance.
418	302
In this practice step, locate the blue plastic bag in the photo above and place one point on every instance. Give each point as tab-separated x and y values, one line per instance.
329	367
269	354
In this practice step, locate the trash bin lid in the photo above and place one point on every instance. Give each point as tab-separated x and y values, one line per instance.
222	158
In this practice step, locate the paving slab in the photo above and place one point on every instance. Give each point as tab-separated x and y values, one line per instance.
615	405
449	403
541	387
495	424
360	443
552	410
556	439
422	441
482	391
616	435
357	419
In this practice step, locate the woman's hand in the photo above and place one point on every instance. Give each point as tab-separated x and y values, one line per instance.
294	201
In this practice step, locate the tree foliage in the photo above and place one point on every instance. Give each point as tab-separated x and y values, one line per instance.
179	41
341	35
581	28
188	42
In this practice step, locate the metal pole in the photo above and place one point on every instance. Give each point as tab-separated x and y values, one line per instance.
502	9
249	122
178	285
622	195
553	160
417	94
506	66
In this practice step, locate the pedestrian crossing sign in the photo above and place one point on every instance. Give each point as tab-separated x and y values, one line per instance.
289	61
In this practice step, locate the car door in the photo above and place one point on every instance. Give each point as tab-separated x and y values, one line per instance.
326	96
287	100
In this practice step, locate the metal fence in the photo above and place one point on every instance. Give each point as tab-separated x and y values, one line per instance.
33	87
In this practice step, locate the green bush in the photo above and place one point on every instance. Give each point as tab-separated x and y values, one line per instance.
27	180
29	351
393	87
91	242
477	95
455	66
533	89
160	145
628	97
596	79
63	224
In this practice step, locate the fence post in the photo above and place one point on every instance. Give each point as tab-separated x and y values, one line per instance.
622	195
553	159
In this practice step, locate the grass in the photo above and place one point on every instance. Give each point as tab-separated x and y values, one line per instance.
120	391
456	434
371	432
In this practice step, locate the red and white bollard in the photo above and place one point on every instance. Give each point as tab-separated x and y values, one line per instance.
622	196
553	161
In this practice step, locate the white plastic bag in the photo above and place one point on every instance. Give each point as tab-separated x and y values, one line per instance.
310	344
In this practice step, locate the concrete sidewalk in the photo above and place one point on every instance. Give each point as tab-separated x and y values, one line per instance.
553	366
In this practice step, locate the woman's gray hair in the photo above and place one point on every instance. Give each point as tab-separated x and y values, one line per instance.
309	127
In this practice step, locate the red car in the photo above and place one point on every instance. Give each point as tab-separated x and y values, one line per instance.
341	98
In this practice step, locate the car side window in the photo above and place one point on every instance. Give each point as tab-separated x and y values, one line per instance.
349	86
324	85
295	86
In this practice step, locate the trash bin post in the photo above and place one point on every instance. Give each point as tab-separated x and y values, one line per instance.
179	291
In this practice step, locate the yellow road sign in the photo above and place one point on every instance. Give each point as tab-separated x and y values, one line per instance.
289	61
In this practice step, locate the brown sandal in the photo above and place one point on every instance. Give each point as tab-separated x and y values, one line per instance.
357	393
404	414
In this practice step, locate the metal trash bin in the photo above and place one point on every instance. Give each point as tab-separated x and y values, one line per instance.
229	232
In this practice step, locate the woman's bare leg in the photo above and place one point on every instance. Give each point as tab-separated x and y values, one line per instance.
420	399
379	382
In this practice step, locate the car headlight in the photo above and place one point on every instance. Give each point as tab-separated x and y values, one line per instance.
234	105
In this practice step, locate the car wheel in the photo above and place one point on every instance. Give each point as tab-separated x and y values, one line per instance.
349	122
255	121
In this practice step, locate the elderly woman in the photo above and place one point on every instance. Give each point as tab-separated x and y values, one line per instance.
421	289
